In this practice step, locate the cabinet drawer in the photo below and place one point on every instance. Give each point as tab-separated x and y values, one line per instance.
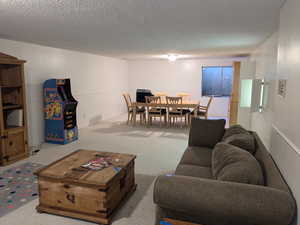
15	143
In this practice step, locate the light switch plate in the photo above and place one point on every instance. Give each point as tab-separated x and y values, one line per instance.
282	88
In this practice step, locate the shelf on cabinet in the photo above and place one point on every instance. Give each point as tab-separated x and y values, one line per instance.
9	107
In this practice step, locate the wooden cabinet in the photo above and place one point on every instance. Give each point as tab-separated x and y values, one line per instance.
13	123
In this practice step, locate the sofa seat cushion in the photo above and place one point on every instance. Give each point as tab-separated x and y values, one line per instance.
206	133
194	171
245	141
198	156
230	163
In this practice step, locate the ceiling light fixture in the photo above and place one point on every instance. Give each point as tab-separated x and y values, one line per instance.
172	57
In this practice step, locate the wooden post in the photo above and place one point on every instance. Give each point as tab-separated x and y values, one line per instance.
235	95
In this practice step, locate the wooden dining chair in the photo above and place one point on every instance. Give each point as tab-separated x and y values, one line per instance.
162	95
139	111
202	111
175	110
184	95
155	111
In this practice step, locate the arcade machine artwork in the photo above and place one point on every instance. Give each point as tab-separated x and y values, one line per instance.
60	112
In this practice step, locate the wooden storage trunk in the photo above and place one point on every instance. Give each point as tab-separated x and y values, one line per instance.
67	189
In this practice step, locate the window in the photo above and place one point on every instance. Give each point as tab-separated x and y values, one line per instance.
217	81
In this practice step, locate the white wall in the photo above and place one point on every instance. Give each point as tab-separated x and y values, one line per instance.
279	57
287	110
289	68
97	82
175	77
266	68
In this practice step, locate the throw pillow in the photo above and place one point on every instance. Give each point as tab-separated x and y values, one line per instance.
235	129
243	140
230	163
206	133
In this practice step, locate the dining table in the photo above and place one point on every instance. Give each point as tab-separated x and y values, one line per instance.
188	104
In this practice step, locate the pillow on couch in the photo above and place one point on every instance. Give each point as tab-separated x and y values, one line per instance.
244	141
206	133
230	163
238	136
235	129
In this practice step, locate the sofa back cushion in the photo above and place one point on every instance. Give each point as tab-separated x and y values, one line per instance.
238	136
244	141
206	133
230	163
272	175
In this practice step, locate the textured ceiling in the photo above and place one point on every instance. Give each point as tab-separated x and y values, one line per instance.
141	28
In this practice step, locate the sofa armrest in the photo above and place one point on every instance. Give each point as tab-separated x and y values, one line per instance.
215	200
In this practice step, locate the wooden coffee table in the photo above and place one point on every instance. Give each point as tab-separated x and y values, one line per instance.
176	222
67	189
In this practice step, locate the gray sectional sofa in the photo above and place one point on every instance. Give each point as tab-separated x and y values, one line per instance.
196	194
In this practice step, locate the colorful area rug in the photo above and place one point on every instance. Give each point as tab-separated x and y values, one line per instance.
18	186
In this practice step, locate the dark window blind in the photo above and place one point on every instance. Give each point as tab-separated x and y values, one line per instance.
217	81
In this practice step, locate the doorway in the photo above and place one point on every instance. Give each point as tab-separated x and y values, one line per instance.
217	82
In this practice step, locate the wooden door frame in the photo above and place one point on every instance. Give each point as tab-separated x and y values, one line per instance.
235	95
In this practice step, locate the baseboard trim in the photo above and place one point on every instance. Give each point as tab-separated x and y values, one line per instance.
285	138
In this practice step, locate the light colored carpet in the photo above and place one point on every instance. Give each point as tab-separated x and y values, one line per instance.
158	151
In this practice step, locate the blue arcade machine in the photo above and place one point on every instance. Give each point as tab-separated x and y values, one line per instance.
60	112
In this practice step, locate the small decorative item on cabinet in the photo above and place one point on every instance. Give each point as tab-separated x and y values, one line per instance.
13	123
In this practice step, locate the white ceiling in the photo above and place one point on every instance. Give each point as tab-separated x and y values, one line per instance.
133	29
